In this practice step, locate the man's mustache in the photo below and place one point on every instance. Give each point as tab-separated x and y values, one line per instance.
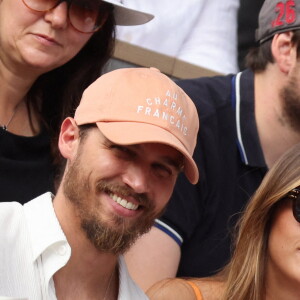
123	191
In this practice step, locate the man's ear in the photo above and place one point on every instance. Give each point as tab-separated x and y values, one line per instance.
284	51
68	138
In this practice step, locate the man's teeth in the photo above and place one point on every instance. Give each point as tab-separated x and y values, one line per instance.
124	202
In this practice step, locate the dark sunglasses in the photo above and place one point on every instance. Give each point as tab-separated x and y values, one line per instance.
294	195
86	16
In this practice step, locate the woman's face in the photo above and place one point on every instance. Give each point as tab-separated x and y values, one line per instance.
37	41
283	265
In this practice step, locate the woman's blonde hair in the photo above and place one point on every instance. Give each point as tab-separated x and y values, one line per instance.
246	271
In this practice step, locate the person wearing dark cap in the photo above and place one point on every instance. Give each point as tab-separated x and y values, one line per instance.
133	132
248	121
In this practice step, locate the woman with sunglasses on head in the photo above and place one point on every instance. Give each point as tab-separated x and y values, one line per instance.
266	261
50	51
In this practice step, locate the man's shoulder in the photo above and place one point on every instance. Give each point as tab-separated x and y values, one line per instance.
10	211
40	202
208	93
207	87
12	214
12	226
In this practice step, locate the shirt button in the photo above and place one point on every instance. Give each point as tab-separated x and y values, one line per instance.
62	250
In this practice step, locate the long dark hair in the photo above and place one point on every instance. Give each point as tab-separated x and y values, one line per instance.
56	94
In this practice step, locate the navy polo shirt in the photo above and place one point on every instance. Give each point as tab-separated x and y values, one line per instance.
201	218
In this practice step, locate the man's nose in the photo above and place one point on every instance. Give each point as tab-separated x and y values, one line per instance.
138	178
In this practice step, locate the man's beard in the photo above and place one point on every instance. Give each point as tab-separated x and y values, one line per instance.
290	99
117	234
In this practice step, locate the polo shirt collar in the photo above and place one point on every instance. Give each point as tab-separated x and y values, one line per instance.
247	134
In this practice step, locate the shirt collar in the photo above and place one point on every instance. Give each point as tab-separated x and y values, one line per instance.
50	248
247	134
49	243
44	228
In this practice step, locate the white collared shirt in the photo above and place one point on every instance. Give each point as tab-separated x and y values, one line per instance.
33	247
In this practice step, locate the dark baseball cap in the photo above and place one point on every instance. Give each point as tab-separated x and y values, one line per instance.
277	17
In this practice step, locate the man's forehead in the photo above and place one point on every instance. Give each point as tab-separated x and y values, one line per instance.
164	152
160	147
153	150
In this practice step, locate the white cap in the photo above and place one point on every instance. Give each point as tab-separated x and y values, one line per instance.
128	16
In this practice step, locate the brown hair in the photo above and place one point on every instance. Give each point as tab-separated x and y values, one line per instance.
56	94
247	268
259	57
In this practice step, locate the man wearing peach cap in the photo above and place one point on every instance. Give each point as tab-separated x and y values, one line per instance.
131	135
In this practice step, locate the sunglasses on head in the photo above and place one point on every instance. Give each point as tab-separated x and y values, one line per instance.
294	195
86	16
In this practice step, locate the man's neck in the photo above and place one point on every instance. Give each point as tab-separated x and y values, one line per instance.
89	273
276	136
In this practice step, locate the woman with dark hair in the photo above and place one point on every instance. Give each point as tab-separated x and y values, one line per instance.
50	51
265	263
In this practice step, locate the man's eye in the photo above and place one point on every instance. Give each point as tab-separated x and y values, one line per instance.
162	171
120	148
122	151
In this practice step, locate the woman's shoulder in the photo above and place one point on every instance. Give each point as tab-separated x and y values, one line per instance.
178	289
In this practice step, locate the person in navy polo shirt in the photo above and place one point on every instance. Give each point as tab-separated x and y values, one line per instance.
248	121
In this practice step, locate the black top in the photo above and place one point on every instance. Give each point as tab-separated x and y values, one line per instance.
200	217
25	166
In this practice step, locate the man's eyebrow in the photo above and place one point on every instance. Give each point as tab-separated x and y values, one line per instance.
107	142
178	164
175	163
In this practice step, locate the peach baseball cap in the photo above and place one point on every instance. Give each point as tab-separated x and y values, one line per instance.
142	105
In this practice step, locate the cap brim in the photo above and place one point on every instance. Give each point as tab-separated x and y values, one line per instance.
127	16
147	133
262	37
